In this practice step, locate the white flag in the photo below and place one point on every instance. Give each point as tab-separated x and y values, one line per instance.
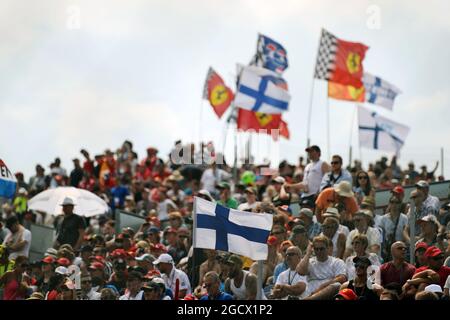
380	133
261	90
240	232
379	91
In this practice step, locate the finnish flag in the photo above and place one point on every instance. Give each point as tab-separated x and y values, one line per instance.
8	182
240	232
380	133
261	90
379	91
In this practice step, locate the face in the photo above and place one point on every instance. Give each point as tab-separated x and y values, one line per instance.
313	155
14	228
211	286
436	262
164	267
399	251
292	257
279	233
336	164
358	245
250	197
361	269
67	294
134	285
47	267
363	179
320	249
395	203
86	285
420	257
175	222
67	209
151	294
225	193
360	221
234	270
329	229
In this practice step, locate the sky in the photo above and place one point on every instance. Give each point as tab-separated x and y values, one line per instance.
91	74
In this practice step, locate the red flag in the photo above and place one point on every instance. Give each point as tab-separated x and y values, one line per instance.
340	61
348	93
217	93
249	120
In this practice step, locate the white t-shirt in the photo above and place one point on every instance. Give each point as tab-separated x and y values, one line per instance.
171	280
447	283
313	177
291	277
162	208
321	272
26	235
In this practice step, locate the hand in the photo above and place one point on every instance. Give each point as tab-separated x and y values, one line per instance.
309	250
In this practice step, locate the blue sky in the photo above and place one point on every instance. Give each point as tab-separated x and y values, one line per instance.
94	73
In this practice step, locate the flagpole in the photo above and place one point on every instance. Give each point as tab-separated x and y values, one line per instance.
260	280
352	127
308	130
328	128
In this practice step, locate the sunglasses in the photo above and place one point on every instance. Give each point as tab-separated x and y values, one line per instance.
361	265
319	249
335	162
290	254
363	177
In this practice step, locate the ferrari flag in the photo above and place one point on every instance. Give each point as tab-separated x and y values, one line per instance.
217	93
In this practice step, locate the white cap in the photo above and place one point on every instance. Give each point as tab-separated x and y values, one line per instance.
206	193
62	270
433	288
164	258
68	202
22	191
280	180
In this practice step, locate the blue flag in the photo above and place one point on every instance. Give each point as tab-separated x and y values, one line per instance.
272	54
8	181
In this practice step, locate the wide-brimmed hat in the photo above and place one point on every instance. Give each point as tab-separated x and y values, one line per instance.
344	189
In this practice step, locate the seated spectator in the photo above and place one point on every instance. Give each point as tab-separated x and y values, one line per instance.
435	259
359	283
362	220
397	270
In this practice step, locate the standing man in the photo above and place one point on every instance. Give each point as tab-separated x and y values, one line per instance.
71	229
314	172
18	241
336	175
431	203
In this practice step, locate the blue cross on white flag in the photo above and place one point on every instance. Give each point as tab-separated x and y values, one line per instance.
261	90
240	232
380	133
272	54
379	91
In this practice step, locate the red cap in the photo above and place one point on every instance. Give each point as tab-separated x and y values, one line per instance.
398	189
421	245
152	273
158	246
48	259
97	266
272	240
348	294
63	262
432	252
119	253
97	258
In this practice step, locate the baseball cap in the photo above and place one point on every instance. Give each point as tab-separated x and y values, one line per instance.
421	245
164	258
158	246
362	260
63	262
398	190
97	266
434	288
250	190
430	218
347	294
150	286
206	193
332	212
298	229
51	252
146	257
313	148
279	179
48	260
234	259
223	185
62	270
432	252
422	184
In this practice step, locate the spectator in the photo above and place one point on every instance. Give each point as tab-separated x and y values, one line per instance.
225	198
419	253
362	220
211	263
340	193
251	203
172	275
71	228
336	175
330	229
435	258
290	283
17	242
299	238
76	175
211	281
14	281
362	186
87	292
397	270
313	174
322	270
307	217
241	284
431	203
360	244
134	284
359	284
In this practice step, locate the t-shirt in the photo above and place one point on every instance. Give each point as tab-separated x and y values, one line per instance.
68	229
388	225
327	198
21	235
291	277
389	273
171	280
447	283
443	272
321	272
222	296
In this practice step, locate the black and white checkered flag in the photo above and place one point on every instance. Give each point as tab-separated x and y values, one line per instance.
326	56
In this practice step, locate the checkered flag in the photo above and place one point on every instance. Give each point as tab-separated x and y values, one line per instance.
326	56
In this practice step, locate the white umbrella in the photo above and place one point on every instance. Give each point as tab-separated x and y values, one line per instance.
87	204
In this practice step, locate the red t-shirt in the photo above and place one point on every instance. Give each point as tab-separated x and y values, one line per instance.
443	273
389	273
